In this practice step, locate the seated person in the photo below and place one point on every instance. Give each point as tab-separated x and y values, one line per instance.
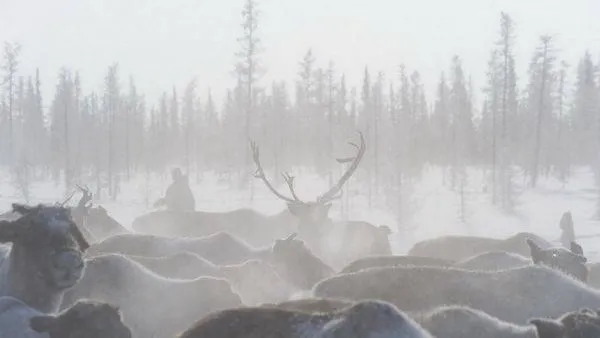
178	196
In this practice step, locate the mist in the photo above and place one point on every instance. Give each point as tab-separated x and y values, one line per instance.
249	152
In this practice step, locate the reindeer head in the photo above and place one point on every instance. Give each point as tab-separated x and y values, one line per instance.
49	241
314	212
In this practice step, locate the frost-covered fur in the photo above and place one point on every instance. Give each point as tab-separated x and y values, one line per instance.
568	261
152	306
312	305
297	264
461	322
101	225
85	319
594	275
368	319
584	323
458	248
513	295
257	282
464	322
493	261
383	261
571	262
45	256
254	280
292	260
219	248
338	243
252	227
181	265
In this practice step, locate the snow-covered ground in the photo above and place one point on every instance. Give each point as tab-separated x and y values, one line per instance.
435	209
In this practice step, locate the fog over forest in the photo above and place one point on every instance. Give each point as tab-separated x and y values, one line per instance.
99	93
299	169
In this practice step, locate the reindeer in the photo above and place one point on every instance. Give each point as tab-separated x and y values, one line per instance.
95	220
338	243
45	258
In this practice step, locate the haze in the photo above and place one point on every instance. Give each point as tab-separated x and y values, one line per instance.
162	43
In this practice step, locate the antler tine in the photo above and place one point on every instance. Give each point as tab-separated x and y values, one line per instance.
63	203
260	173
87	189
333	192
86	198
289	180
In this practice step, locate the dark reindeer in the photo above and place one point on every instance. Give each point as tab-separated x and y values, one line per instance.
45	256
95	220
338	243
85	319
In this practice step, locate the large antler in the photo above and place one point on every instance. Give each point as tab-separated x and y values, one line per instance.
260	173
333	192
63	203
85	198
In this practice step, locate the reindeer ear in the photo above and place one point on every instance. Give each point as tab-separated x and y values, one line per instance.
536	251
576	248
547	328
22	209
42	323
588	311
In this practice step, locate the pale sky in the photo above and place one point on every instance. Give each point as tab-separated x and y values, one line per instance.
168	42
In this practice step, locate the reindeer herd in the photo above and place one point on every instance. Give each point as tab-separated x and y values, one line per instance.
75	272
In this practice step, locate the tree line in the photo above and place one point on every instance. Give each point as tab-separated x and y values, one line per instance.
543	129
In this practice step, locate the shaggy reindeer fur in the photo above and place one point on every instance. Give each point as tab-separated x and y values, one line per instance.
219	248
458	248
387	261
180	265
292	260
461	322
254	280
152	305
571	262
45	258
464	322
297	264
101	225
312	305
493	261
513	295
369	319
594	275
250	226
85	319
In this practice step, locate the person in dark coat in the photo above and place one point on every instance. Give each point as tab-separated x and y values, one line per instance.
568	231
179	196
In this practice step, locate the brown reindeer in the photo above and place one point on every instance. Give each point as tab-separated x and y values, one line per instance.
338	243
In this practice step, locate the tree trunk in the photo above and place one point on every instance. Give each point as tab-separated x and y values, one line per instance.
538	132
